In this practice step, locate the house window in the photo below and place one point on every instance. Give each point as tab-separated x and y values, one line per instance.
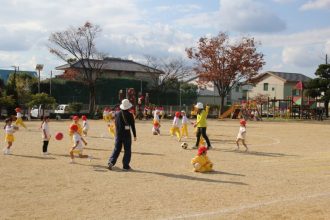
265	86
296	92
273	89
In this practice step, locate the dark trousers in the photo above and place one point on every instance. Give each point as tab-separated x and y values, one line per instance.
202	131
119	143
45	146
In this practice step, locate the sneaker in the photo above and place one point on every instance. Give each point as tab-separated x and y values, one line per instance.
128	169
194	147
5	151
209	147
110	165
72	162
90	158
45	153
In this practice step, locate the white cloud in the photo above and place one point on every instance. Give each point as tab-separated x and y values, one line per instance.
310	37
240	15
187	8
284	1
316	4
301	56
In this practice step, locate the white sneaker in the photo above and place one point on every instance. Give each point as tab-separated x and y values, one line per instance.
90	158
45	153
72	162
5	151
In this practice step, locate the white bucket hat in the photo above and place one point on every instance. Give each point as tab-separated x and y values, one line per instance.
199	105
125	104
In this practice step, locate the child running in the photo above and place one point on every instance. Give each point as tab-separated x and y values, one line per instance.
75	122
201	162
77	147
19	120
85	125
156	123
175	126
45	135
241	134
201	124
184	126
9	138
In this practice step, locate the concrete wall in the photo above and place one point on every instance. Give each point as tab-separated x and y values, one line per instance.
275	88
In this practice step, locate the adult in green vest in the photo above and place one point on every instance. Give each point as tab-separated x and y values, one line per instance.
201	124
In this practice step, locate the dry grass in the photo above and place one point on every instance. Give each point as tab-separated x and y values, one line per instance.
285	175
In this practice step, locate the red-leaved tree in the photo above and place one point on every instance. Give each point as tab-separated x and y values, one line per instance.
225	63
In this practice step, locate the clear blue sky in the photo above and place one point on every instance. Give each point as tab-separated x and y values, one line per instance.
295	34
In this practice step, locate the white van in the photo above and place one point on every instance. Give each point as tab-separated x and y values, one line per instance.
62	109
38	112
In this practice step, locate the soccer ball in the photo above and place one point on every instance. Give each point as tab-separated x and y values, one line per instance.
59	136
184	145
197	166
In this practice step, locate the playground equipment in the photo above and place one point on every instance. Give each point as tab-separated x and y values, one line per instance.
233	111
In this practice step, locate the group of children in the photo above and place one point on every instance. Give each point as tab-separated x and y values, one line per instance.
201	163
76	131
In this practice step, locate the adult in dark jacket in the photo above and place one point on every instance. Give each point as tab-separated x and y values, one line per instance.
124	121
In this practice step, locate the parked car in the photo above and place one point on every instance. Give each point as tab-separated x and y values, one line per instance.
39	112
61	111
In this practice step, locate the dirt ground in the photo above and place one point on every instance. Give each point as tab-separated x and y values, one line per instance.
284	175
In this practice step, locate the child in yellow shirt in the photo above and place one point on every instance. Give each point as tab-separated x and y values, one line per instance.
201	162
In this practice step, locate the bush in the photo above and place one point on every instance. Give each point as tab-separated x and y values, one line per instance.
75	107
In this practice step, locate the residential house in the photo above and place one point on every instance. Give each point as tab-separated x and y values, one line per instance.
209	93
280	85
114	68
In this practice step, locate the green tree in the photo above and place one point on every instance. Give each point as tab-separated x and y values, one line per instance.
6	102
42	99
23	85
320	86
75	107
189	91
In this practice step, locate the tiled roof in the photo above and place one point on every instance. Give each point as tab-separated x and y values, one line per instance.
291	77
115	64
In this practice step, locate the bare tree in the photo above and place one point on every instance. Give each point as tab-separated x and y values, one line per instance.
76	46
173	70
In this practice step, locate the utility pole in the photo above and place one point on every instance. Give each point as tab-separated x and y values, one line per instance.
326	59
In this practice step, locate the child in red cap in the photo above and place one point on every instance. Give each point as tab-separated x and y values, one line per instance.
75	121
201	162
77	147
241	134
85	125
175	129
19	120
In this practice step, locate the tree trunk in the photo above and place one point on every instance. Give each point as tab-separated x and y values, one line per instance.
222	103
92	96
326	106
